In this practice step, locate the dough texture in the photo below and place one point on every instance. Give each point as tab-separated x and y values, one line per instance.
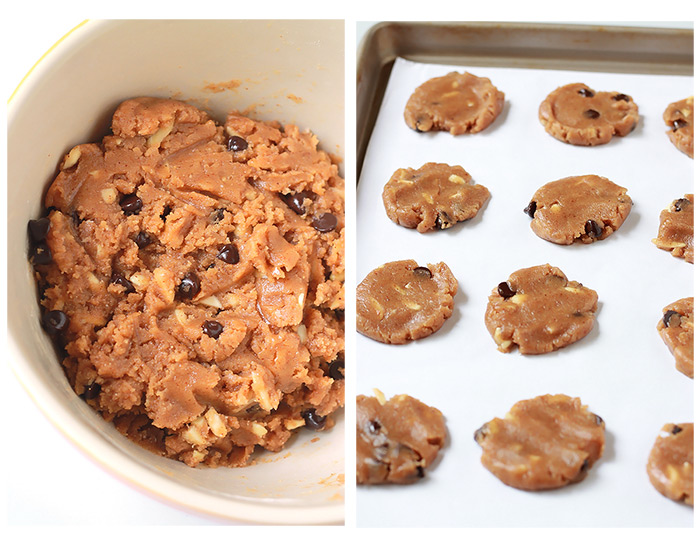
677	329
670	466
676	230
192	306
679	116
577	114
457	103
433	197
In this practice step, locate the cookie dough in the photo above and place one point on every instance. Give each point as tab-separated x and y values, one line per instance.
543	443
676	229
679	116
583	208
577	114
539	310
401	301
397	440
677	330
193	306
435	196
457	102
670	466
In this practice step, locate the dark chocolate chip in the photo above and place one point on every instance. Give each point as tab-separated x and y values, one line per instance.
680	204
236	143
143	239
131	204
335	367
585	466
443	220
167	210
92	391
55	322
678	123
588	93
676	429
119	279
530	209
420	472
212	329
218	215
229	254
39	229
313	420
325	223
40	254
295	201
593	229
422	271
481	433
621	96
672	319
374	426
598	419
189	286
505	291
591	114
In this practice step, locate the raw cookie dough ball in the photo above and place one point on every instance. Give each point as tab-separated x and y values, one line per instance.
583	208
397	440
435	196
677	330
679	116
670	466
676	231
458	103
539	310
577	114
546	442
401	301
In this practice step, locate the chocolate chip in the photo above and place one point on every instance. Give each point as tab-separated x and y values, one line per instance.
229	254
621	96
593	229
118	279
313	420
335	367
530	209
167	210
212	329
218	215
143	239
591	114
189	286
92	391
676	429
325	223
598	420
236	143
40	254
420	472
295	201
672	319
39	229
585	466
374	426
680	204
443	220
588	93
481	433
505	291
422	271
678	123
131	204
55	322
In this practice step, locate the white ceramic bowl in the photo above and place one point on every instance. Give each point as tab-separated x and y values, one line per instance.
291	71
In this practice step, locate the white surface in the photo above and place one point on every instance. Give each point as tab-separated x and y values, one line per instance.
622	369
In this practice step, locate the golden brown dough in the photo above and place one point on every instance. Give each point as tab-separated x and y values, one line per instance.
677	329
671	466
679	116
676	229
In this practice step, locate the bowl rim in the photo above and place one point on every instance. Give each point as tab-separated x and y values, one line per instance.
100	451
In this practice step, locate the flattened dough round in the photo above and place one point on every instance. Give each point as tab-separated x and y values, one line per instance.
401	301
435	196
397	440
677	330
583	208
539	310
457	103
670	466
676	229
577	114
547	442
679	116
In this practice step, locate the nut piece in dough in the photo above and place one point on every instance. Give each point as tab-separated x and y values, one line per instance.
397	440
401	301
676	230
577	114
458	103
547	442
435	196
679	117
670	466
539	310
583	208
677	329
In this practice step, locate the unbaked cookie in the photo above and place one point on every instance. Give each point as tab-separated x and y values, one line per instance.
397	440
577	114
435	196
670	466
401	301
679	116
458	103
677	330
539	310
583	208
676	229
547	442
